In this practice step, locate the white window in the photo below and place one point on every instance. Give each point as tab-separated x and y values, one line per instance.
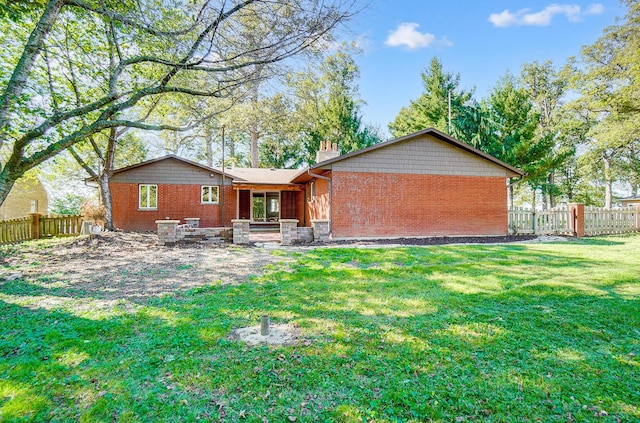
148	197
209	194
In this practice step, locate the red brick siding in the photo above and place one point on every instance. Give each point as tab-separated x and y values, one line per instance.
318	207
174	201
381	204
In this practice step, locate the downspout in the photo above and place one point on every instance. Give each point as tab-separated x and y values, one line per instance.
315	175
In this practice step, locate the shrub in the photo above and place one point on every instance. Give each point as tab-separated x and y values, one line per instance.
92	210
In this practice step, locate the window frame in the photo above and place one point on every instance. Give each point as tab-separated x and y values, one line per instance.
202	189
148	196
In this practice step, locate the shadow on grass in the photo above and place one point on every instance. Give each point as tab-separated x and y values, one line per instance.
489	333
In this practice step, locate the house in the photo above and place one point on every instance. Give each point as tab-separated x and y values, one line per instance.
28	195
423	184
630	201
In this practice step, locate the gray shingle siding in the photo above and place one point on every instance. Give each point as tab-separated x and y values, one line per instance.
168	172
425	155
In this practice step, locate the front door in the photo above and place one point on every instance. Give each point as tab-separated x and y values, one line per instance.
265	206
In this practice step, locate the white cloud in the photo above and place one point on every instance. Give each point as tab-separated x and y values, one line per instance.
594	9
407	35
572	12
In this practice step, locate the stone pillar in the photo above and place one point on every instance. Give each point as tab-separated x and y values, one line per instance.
193	222
288	231
35	225
240	231
320	230
576	219
167	231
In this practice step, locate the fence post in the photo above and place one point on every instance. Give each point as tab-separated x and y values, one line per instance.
576	219
35	225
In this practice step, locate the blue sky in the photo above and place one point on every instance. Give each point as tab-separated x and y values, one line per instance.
479	39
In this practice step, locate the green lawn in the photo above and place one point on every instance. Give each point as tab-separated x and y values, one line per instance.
485	333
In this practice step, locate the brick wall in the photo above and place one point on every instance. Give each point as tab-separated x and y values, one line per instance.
174	201
318	207
387	205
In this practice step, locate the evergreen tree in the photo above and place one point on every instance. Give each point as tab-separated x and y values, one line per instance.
431	109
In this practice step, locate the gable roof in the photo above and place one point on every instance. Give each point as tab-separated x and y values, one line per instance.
300	177
174	157
254	176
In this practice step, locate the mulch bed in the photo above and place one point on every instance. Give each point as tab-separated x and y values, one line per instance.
441	240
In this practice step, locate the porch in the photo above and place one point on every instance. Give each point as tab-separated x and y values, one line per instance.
266	206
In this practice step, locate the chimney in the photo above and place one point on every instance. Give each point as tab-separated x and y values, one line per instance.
327	151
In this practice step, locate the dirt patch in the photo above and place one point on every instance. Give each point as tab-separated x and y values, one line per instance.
283	334
128	265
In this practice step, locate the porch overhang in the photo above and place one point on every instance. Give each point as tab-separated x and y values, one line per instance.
267	187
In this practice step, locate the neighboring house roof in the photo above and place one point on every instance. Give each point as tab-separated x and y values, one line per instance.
303	175
631	199
261	176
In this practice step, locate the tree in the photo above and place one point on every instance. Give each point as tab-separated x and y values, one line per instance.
609	84
328	107
67	204
431	109
546	88
101	154
261	118
187	47
513	139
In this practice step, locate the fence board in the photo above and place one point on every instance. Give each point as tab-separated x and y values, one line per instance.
15	230
547	222
51	226
22	229
598	221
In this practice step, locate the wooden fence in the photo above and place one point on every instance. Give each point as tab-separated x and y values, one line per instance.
15	230
37	226
599	221
546	222
560	221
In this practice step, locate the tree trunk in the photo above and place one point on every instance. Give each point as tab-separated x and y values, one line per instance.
552	198
510	196
209	150
254	148
105	177
606	160
105	199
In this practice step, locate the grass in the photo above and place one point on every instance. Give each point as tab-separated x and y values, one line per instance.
491	333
